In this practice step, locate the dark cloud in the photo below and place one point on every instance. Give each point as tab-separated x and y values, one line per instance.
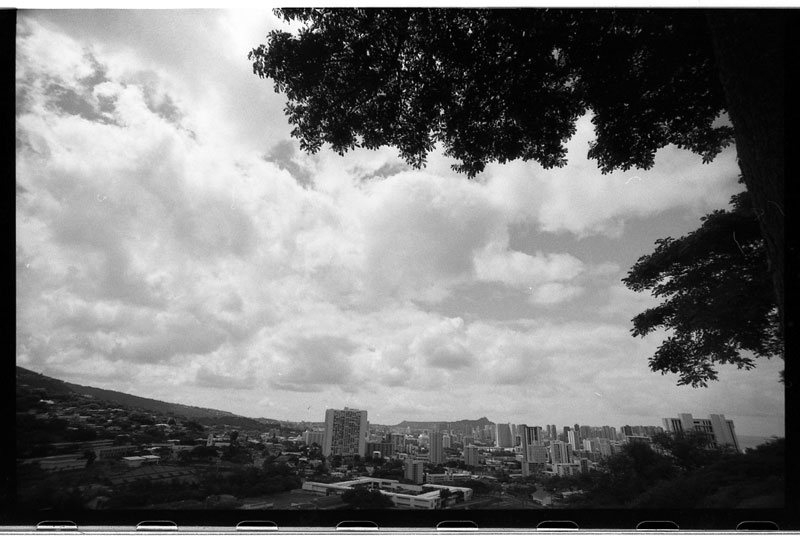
68	101
214	229
283	154
163	106
386	170
450	357
315	362
98	76
172	339
112	275
232	303
445	346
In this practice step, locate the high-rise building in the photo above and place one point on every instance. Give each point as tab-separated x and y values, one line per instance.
560	452
414	470
717	430
724	431
398	442
471	455
345	432
436	448
609	432
604	447
447	441
504	437
572	439
534	451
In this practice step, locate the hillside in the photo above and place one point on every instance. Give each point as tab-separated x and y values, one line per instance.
48	386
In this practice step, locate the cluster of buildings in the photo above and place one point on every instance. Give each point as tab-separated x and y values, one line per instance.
533	449
75	454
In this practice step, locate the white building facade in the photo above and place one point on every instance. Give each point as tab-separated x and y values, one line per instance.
345	432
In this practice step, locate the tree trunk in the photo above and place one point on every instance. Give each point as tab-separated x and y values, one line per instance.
750	47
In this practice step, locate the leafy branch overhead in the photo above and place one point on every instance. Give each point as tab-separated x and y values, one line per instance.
498	84
718	304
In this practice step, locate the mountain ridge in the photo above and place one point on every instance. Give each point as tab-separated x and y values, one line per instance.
36	380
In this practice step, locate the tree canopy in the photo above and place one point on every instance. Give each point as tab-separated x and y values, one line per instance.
498	84
718	306
364	499
638	477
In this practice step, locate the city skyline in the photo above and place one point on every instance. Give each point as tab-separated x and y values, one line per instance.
173	242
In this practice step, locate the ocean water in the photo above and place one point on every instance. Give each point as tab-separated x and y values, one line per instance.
749	442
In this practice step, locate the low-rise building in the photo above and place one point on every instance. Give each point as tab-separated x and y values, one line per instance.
114	452
567	469
449	476
426	497
138	461
65	462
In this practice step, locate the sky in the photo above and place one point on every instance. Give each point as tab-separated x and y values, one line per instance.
173	242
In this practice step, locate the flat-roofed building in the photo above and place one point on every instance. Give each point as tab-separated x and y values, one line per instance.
410	496
560	452
534	451
313	436
65	462
114	452
414	470
717	430
345	432
436	448
471	455
503	436
382	449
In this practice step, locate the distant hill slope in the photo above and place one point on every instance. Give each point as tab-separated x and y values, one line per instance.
464	424
33	380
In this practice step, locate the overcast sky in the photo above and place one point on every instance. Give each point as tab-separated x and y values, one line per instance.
173	242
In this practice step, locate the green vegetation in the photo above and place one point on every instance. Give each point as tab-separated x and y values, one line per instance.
74	490
250	481
716	296
522	489
482	487
364	499
639	477
391	469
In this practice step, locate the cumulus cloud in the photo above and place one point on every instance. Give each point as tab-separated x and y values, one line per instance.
579	199
157	233
421	233
312	363
444	345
